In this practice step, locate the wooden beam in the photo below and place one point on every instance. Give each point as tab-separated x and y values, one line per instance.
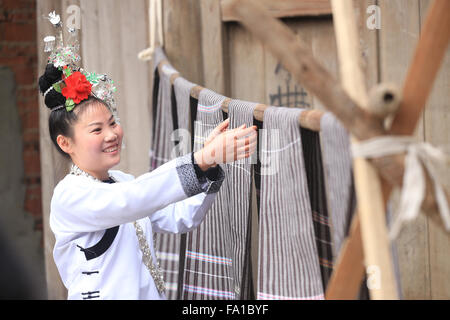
284	8
346	279
430	52
309	119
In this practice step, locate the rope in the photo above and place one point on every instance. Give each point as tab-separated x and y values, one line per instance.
420	157
155	22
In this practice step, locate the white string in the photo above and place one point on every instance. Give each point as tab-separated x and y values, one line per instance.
155	22
420	156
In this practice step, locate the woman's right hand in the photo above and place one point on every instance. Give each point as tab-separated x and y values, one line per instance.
228	146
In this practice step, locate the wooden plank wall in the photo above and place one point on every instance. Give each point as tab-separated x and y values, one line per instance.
436	131
422	246
112	36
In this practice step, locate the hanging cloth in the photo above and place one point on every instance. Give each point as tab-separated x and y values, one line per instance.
337	161
208	259
317	192
167	244
184	104
288	259
239	209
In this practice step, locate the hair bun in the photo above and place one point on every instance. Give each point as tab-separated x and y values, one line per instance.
51	76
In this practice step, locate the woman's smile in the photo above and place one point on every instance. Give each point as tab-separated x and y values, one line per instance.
97	141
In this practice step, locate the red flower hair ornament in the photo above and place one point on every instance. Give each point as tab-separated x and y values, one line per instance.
77	89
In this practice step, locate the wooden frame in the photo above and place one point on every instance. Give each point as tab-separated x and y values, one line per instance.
284	8
299	61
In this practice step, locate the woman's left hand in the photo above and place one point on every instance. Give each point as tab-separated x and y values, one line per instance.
217	130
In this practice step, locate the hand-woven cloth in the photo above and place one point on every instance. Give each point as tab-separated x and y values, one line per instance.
167	244
288	258
312	155
239	209
337	161
208	263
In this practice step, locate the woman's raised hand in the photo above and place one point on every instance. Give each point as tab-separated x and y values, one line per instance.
223	145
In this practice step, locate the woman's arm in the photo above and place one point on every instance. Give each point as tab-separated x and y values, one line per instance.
186	215
82	205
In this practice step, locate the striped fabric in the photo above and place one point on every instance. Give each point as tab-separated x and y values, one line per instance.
239	208
184	104
288	260
167	244
338	171
316	187
339	176
208	271
341	192
182	90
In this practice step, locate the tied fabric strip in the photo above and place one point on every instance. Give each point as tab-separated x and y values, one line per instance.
420	156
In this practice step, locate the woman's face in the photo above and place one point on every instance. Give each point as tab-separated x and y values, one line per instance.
97	140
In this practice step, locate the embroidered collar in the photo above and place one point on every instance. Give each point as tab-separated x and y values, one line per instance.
75	170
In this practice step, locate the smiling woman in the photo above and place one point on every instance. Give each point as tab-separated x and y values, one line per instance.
103	220
96	142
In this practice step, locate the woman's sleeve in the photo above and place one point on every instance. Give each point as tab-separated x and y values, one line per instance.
81	205
186	215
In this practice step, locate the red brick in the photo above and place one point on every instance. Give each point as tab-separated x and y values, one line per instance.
30	134
13	61
30	119
32	163
22	16
11	31
34	206
27	106
27	93
34	191
15	49
24	74
10	5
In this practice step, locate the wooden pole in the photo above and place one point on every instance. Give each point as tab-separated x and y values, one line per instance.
371	208
309	119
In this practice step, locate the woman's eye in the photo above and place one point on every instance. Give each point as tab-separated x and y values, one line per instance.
96	130
113	124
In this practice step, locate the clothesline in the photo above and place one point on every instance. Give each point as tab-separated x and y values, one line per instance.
309	119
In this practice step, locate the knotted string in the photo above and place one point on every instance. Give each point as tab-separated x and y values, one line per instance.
420	157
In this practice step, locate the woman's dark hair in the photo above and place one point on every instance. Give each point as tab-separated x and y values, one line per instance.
61	121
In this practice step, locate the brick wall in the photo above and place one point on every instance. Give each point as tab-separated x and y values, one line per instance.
18	50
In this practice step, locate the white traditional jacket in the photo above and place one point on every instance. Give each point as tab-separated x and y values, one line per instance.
97	251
